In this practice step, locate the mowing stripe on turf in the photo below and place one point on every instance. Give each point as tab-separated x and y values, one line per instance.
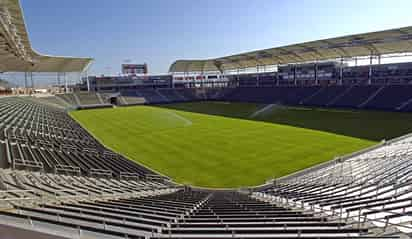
186	121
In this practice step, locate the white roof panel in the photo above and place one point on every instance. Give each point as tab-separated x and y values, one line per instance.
16	52
374	43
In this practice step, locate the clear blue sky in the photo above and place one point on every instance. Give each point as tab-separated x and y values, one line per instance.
161	31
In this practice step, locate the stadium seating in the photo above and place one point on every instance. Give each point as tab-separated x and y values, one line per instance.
84	100
172	95
192	94
369	187
52	101
152	96
325	95
172	213
57	179
390	97
236	215
127	100
45	138
160	96
89	98
356	95
288	95
69	99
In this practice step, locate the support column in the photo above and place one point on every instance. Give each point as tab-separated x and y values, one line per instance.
66	88
58	82
295	80
25	82
223	78
194	80
87	81
277	76
184	80
257	75
202	82
316	73
206	79
31	82
341	71
370	70
237	76
80	79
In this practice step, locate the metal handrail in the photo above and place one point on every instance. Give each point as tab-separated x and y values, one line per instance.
358	219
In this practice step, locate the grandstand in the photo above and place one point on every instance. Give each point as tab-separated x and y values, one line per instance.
61	181
52	101
372	97
84	100
58	181
369	187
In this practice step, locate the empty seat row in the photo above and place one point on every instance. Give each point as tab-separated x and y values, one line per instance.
43	137
373	187
183	213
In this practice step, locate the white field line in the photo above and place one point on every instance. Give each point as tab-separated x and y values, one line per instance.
262	110
187	122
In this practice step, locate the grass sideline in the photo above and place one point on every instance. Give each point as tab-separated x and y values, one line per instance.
213	151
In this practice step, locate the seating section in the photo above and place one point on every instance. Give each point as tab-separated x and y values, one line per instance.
172	95
236	215
391	97
18	185
88	98
55	178
84	100
42	137
288	95
325	95
179	213
162	96
377	97
127	100
69	99
152	96
357	95
373	187
192	94
52	101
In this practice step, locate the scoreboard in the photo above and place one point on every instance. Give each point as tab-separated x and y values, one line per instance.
131	69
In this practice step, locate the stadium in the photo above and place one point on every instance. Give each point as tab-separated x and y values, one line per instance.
294	141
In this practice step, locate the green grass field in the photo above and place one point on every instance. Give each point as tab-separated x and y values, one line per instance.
369	125
222	147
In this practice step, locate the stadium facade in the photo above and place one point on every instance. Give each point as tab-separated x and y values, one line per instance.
58	181
319	73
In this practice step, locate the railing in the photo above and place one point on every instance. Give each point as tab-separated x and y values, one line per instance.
357	220
156	177
27	164
26	196
36	197
100	173
67	169
129	176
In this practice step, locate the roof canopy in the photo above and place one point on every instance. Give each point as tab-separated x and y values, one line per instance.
16	53
375	43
